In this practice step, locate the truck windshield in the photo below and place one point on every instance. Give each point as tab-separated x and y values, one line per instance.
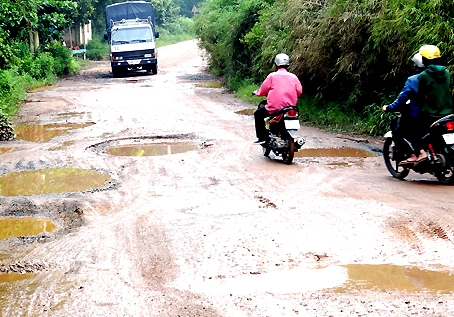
128	35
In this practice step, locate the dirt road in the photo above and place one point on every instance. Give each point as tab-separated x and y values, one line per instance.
181	215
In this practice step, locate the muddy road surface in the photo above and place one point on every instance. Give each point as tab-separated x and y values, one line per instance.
144	196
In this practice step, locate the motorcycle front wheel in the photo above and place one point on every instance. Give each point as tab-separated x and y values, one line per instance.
287	156
391	164
266	149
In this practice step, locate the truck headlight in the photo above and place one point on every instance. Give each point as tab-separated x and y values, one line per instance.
147	56
118	58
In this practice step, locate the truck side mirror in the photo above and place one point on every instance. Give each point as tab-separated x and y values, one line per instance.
156	35
106	37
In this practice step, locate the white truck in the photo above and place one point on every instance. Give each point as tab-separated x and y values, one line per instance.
132	35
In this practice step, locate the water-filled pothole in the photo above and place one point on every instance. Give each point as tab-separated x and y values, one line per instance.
46	87
6	149
12	277
340	279
246	112
151	149
52	181
11	227
334	152
74	116
45	132
393	277
209	84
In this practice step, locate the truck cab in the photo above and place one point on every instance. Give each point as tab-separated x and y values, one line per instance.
131	33
133	47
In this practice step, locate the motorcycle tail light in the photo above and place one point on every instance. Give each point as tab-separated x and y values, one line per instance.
450	125
292	113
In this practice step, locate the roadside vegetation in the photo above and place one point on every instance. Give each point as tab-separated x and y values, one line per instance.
351	56
31	50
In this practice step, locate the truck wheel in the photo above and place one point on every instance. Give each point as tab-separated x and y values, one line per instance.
116	72
154	68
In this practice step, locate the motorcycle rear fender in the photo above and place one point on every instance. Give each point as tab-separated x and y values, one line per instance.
389	134
293	133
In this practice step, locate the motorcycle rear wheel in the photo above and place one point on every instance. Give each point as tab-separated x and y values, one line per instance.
288	155
446	177
391	164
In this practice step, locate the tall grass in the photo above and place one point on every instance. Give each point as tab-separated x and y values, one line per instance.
351	56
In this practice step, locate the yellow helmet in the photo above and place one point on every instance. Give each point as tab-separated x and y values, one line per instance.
429	51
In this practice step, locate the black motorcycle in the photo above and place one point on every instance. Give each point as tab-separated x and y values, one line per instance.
283	126
439	146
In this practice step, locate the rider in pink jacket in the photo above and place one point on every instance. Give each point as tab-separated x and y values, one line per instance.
282	89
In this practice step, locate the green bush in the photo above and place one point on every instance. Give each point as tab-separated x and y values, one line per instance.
351	56
98	49
63	60
13	89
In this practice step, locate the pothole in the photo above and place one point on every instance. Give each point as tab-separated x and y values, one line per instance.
338	279
11	227
6	149
73	116
209	84
13	277
45	132
46	87
155	149
393	277
52	181
149	146
334	152
246	112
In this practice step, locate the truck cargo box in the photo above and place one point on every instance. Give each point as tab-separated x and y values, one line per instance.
129	10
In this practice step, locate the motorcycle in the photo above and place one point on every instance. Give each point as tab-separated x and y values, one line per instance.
439	146
283	126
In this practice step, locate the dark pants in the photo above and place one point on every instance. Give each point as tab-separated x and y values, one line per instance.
260	129
406	136
423	124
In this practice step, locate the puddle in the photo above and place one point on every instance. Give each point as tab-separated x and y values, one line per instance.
246	112
209	84
334	152
155	149
12	277
63	145
52	181
45	132
6	149
12	227
338	164
74	116
338	279
392	277
46	87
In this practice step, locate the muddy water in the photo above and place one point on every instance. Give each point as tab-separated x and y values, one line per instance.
156	149
23	227
334	152
209	84
52	181
246	112
6	150
392	277
45	132
12	277
341	279
46	87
